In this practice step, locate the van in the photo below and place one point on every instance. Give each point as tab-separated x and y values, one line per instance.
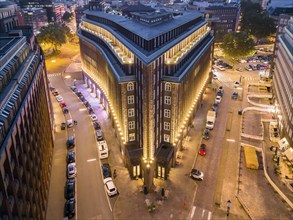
103	149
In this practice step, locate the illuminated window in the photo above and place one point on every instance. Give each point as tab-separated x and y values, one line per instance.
167	87
167	100
167	126
132	137
130	99
167	113
130	86
131	112
166	137
131	125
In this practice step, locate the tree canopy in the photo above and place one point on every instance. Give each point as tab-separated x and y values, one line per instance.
53	34
255	22
237	44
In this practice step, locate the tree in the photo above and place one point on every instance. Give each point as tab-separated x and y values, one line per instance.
255	21
53	34
237	45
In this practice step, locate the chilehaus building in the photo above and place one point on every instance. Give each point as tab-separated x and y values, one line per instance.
149	71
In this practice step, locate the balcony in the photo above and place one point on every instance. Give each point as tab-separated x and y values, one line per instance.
119	53
184	51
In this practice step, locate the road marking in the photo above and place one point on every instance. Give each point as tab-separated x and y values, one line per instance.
91	160
202	214
210	215
230	140
192	212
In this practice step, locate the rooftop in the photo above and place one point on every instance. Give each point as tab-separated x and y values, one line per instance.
143	30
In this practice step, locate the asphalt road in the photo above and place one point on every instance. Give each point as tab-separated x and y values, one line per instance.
92	201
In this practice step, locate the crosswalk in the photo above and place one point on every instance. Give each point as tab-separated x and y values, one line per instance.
252	78
200	213
53	74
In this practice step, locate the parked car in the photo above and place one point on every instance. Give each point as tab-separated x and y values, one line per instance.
90	110
110	187
234	95
69	189
221	89
218	99
206	134
99	135
71	171
236	84
73	88
239	69
62	104
106	170
96	125
65	110
94	117
70	157
196	174
86	103
55	92
70	142
63	126
215	106
69	208
69	123
248	68
202	149
103	149
59	98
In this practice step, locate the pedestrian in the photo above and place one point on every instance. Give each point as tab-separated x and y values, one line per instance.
114	173
201	104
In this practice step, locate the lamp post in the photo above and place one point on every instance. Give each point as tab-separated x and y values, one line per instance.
228	207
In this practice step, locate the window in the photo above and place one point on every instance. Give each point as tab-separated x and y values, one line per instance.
131	112
131	125
167	87
132	137
130	86
130	99
166	137
167	113
168	100
167	126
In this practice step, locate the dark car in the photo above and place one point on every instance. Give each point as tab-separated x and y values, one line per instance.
215	106
206	134
65	110
96	125
73	88
63	126
69	208
86	103
90	110
219	93
69	189
82	98
78	93
55	92
70	157
70	142
234	95
106	170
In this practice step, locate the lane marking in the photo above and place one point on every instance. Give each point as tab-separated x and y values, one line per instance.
91	160
202	214
192	211
209	215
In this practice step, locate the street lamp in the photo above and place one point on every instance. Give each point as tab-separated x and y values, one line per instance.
228	207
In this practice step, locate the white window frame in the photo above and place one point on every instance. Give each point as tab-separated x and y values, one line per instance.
167	113
131	125
168	87
130	99
166	138
131	112
131	137
167	100
130	86
167	126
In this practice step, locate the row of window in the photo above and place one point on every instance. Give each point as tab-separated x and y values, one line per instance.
130	100
130	86
167	113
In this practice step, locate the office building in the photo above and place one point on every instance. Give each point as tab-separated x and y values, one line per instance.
283	79
149	72
26	138
46	4
34	17
8	16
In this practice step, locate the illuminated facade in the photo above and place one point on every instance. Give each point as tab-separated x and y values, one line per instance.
149	72
283	79
26	138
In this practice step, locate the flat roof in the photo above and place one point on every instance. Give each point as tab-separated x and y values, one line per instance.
146	31
7	43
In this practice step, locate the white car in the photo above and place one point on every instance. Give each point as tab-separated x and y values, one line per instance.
196	174
94	117
236	84
110	187
71	171
59	98
103	149
218	99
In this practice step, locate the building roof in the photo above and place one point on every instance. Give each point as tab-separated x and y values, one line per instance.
145	31
137	8
5	4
